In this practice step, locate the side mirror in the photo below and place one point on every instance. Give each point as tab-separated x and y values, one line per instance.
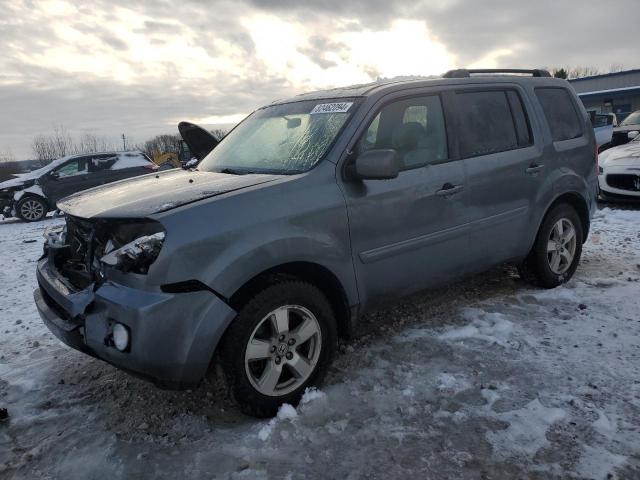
54	175
632	134
377	165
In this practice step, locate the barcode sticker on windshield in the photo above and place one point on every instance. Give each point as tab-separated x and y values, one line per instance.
341	107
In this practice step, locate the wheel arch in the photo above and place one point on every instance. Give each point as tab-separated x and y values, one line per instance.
36	195
581	206
28	195
310	272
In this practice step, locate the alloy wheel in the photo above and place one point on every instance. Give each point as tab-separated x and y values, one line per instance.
283	350
32	210
561	246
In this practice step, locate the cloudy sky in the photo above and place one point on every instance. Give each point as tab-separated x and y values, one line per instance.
138	67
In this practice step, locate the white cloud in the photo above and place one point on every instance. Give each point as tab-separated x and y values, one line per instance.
110	66
406	48
494	58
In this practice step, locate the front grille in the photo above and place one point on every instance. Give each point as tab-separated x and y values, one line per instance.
624	181
77	267
79	236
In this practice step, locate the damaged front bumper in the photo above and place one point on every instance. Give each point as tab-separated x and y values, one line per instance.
173	336
6	206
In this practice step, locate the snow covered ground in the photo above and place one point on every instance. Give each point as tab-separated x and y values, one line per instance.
485	379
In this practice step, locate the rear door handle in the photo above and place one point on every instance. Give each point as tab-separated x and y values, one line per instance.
448	190
534	169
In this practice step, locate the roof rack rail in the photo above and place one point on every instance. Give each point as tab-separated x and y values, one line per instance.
464	73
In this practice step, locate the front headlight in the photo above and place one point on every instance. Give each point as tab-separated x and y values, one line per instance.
136	255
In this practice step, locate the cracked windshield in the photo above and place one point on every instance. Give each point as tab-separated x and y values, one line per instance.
283	139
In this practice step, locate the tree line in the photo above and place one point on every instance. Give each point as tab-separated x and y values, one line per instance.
585	71
60	143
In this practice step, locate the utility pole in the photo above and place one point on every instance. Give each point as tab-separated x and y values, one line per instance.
124	142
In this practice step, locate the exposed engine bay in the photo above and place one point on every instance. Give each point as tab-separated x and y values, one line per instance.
82	249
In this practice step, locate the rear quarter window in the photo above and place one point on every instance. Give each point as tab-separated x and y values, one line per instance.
560	112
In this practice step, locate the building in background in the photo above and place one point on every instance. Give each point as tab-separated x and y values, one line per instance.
617	92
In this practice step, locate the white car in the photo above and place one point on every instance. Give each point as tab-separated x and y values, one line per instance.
619	172
603	125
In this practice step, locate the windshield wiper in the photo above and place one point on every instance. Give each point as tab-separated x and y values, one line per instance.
232	171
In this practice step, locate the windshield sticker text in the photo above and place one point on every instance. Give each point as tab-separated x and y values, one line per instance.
341	107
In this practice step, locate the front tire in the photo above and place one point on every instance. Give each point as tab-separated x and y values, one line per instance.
282	342
31	209
556	252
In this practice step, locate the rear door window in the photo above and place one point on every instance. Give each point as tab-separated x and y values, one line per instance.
100	163
118	161
414	128
560	113
486	123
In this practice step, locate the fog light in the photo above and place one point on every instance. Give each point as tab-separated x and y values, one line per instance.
120	335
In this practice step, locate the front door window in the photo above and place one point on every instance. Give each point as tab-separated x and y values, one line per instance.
414	128
77	166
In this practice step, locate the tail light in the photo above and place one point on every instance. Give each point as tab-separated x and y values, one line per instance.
598	169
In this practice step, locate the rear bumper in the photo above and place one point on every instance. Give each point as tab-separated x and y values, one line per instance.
173	336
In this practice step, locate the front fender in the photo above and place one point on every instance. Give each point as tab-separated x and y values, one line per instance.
227	241
242	265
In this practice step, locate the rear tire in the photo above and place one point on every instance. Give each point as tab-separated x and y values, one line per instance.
556	252
282	342
31	208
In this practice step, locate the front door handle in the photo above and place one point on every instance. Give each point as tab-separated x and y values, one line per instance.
449	189
533	169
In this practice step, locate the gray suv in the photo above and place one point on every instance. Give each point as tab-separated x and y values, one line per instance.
311	211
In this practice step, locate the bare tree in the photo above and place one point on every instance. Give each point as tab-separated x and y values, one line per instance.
219	133
162	144
54	145
60	143
616	67
89	143
585	71
580	72
7	156
43	149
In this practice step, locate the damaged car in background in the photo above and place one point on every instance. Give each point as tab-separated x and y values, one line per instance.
312	211
32	195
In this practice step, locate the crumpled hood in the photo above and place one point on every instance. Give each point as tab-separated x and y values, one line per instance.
154	193
21	179
623	155
14	182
